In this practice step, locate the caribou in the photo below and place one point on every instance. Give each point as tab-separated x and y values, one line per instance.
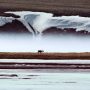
40	51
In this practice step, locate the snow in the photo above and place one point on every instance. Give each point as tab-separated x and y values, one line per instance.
39	22
46	61
43	20
16	43
5	20
44	81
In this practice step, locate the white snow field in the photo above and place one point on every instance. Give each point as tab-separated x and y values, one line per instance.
76	61
31	79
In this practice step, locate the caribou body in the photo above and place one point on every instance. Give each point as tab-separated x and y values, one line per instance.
40	51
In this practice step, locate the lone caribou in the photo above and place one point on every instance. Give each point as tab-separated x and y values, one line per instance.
40	51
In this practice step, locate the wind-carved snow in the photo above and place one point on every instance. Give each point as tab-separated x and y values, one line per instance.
5	20
40	21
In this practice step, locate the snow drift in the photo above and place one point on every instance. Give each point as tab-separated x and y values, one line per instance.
40	21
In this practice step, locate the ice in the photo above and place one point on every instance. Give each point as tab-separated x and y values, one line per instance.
45	81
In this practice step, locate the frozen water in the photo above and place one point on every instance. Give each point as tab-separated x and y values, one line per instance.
31	80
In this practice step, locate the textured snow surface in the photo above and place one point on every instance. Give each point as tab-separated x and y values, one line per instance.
5	20
42	20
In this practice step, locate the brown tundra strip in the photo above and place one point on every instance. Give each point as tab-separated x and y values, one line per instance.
44	55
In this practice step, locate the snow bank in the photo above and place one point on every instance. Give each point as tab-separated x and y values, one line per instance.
41	21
